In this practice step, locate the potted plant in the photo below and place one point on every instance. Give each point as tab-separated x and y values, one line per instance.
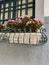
35	25
24	20
12	25
24	23
28	23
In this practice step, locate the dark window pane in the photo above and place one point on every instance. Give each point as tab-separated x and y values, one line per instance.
1	16
16	8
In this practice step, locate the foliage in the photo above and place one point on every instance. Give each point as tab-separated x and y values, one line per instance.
24	23
1	27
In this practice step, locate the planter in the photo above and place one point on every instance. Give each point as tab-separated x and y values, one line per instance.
23	38
23	30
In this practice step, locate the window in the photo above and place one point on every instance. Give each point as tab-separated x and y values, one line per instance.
15	8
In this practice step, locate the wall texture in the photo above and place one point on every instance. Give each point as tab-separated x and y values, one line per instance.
39	9
46	18
46	7
12	54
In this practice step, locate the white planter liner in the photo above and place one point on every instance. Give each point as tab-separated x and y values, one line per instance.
21	38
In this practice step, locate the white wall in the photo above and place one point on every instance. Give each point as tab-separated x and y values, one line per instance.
12	54
46	8
46	11
39	9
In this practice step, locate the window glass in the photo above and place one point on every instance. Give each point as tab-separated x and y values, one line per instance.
2	6
11	15
30	0
11	3
1	10
6	5
19	2
23	12
23	6
19	7
30	11
23	1
6	15
29	5
6	9
18	13
11	8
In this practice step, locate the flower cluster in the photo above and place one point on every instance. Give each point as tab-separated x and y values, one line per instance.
1	27
24	23
18	23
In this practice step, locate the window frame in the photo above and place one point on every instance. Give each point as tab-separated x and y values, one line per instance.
16	9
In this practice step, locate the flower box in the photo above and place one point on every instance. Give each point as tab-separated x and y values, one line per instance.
23	30
22	38
25	38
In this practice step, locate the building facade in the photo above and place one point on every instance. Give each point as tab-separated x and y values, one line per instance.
12	54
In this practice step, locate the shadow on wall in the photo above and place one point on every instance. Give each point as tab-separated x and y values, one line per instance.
46	19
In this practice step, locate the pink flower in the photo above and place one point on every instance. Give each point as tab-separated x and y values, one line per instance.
36	19
29	22
9	21
12	20
27	16
17	19
21	17
42	23
20	21
5	24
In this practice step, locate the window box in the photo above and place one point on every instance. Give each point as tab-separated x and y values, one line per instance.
23	31
24	38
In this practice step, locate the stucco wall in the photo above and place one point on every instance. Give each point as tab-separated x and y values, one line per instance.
39	9
46	7
12	54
